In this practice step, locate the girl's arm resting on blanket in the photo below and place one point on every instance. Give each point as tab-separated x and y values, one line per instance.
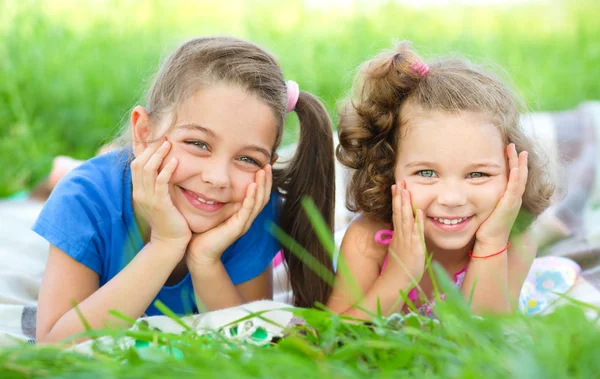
130	292
487	280
385	293
498	280
215	290
363	257
520	258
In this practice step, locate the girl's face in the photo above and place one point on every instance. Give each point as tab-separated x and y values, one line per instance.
455	168
221	138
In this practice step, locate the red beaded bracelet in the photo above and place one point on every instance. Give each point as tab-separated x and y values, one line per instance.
488	256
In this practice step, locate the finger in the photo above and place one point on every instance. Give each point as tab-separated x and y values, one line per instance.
396	208
259	197
137	165
512	189
268	183
418	228
408	219
523	171
162	180
150	171
151	148
243	215
513	159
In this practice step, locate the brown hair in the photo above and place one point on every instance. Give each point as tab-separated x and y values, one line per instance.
372	117
204	61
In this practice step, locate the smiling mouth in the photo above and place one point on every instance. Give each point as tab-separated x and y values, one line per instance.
201	202
450	221
454	224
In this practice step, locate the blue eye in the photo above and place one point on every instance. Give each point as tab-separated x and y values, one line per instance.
198	144
250	161
427	173
477	175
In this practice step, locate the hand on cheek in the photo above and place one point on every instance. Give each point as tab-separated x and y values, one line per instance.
206	248
151	173
496	229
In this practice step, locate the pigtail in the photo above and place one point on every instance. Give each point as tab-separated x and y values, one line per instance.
309	173
368	128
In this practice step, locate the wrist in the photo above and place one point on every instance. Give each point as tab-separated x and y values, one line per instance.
485	250
179	243
168	248
202	267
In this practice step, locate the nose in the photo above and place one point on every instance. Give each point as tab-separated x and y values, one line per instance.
216	173
451	194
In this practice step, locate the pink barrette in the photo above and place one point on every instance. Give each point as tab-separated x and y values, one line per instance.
293	91
420	68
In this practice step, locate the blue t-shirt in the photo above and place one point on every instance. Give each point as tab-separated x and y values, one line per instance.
89	216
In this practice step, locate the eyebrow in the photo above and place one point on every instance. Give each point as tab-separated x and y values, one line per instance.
486	165
256	148
473	166
419	163
197	127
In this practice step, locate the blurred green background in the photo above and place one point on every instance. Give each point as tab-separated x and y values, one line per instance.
71	70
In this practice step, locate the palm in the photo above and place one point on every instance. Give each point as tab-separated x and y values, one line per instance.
498	225
208	247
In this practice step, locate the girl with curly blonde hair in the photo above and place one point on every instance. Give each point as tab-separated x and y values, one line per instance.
441	166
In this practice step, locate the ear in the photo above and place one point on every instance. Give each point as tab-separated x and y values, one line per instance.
140	129
274	158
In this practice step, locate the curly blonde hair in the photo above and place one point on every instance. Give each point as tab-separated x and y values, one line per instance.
371	120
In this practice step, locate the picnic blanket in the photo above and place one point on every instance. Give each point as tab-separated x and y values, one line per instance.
571	139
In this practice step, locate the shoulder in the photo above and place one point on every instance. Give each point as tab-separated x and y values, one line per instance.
99	179
92	192
360	237
101	171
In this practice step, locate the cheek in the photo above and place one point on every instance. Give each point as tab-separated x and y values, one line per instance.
490	196
420	196
240	181
176	152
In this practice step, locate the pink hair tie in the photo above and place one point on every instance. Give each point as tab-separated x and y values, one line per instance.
419	67
293	91
384	237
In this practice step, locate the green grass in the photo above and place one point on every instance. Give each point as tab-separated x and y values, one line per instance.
70	71
562	344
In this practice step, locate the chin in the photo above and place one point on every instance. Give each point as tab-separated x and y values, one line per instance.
455	243
200	225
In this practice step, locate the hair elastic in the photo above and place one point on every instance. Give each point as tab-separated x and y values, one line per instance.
419	67
293	91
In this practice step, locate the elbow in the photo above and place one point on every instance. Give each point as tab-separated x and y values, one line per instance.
501	307
43	336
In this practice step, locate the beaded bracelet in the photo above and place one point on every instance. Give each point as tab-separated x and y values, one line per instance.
488	256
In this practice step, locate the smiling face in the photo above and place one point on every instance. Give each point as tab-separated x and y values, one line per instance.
455	168
221	138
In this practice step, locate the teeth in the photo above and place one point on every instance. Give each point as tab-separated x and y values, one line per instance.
205	201
450	222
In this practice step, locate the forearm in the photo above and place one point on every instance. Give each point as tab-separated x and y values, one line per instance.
384	293
486	281
213	287
521	255
130	292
